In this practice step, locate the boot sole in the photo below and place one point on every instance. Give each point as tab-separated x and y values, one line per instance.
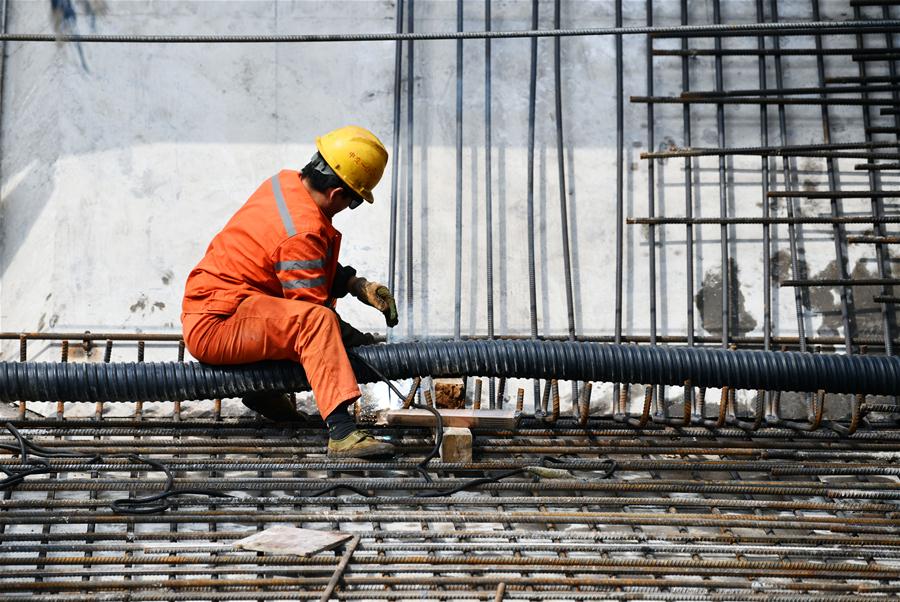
373	452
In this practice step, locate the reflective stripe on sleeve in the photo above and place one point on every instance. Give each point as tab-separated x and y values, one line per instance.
306	283
306	264
282	207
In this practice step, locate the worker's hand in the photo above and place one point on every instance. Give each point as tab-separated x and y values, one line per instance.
377	295
353	337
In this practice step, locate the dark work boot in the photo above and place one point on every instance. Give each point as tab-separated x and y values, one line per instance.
278	407
359	444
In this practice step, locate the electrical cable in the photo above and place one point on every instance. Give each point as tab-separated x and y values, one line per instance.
143	505
39	466
146	505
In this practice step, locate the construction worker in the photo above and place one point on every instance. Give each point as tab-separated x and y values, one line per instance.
266	288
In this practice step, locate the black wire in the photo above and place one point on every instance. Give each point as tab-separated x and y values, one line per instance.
148	504
38	466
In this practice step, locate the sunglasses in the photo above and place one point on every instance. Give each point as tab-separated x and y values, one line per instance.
355	201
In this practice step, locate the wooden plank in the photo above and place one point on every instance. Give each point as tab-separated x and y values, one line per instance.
456	445
492	419
449	393
291	540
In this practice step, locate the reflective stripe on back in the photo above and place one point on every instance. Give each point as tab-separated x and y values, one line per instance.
282	207
307	264
307	283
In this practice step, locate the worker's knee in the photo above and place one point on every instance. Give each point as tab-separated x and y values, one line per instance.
321	319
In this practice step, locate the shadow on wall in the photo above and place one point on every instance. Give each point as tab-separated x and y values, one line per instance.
709	302
865	315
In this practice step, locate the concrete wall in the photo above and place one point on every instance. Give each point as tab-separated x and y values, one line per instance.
120	162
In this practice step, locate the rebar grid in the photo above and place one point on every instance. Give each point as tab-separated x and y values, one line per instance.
682	516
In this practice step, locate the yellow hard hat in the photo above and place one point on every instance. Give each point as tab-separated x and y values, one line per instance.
356	155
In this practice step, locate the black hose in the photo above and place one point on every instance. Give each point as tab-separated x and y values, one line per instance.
563	360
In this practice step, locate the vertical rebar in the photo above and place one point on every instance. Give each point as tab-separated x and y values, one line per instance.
846	293
398	66
554	394
767	251
410	89
63	357
107	358
417	381
687	403
488	181
532	104
723	190
561	170
459	184
651	171
788	185
476	397
23	356
764	141
651	195
584	411
688	183
139	404
620	188
561	177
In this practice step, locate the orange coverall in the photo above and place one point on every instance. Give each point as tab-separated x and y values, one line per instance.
262	291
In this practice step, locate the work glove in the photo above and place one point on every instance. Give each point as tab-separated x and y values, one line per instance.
377	295
353	337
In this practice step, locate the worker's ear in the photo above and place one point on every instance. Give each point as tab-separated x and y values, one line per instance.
334	195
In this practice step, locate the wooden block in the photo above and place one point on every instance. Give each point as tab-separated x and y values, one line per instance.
450	393
291	540
491	419
456	446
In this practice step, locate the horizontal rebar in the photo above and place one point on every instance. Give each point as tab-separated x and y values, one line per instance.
844	219
481	500
876	166
494	547
774	151
853	102
699	339
780	29
518	535
835	194
841	282
878	240
789	91
868	491
768	52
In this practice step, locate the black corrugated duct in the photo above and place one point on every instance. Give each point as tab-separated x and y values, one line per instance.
150	381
